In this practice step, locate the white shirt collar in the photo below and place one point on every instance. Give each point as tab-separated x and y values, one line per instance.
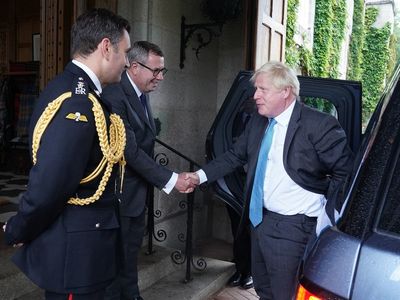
284	117
90	73
138	92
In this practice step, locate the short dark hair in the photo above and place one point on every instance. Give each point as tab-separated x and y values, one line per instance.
140	51
93	26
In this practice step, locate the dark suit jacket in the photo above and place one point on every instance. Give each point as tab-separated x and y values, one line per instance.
67	248
141	168
316	155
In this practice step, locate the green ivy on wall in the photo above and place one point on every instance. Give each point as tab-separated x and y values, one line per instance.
372	53
338	29
329	29
291	49
322	36
376	56
356	42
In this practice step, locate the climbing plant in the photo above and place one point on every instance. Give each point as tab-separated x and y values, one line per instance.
329	30
291	49
296	56
372	52
375	60
338	30
356	42
322	36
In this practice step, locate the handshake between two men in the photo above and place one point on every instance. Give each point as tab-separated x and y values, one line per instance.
187	182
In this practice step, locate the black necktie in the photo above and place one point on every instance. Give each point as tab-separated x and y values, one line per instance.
143	101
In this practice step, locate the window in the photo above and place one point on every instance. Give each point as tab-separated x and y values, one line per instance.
321	104
389	219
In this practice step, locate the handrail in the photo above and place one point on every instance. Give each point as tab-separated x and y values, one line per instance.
178	153
161	234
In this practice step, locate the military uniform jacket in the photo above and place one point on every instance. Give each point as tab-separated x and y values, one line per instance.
142	172
67	248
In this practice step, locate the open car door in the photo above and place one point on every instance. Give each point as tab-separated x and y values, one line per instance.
340	98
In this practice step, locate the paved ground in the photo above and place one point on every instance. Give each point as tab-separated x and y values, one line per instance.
11	186
222	250
235	293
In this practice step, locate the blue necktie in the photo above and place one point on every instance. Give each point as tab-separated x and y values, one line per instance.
257	195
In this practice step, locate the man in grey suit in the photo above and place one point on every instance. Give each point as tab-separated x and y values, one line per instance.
129	100
298	161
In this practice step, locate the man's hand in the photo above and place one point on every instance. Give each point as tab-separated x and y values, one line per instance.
194	178
184	183
15	245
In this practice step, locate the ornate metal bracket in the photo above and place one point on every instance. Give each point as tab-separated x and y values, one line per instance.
187	31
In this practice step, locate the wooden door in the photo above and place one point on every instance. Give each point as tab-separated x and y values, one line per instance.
271	31
57	17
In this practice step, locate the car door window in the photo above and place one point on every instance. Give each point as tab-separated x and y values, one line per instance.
389	218
321	104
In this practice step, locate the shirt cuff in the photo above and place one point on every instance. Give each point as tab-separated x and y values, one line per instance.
202	176
171	183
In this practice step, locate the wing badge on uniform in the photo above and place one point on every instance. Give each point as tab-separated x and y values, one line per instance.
77	116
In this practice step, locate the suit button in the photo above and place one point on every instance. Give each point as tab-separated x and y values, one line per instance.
97	225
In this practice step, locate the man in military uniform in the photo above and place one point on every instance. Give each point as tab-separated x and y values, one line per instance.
67	225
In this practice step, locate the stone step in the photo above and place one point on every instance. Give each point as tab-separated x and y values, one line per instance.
37	294
153	267
159	278
203	285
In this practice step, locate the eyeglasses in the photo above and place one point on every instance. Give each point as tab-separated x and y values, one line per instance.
155	71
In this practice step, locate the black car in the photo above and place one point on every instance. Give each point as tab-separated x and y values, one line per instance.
359	257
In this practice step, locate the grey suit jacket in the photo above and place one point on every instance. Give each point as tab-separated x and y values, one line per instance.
142	172
316	154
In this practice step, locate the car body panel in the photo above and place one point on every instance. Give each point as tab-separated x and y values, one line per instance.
321	263
378	270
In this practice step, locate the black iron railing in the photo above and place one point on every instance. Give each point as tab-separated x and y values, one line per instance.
177	256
